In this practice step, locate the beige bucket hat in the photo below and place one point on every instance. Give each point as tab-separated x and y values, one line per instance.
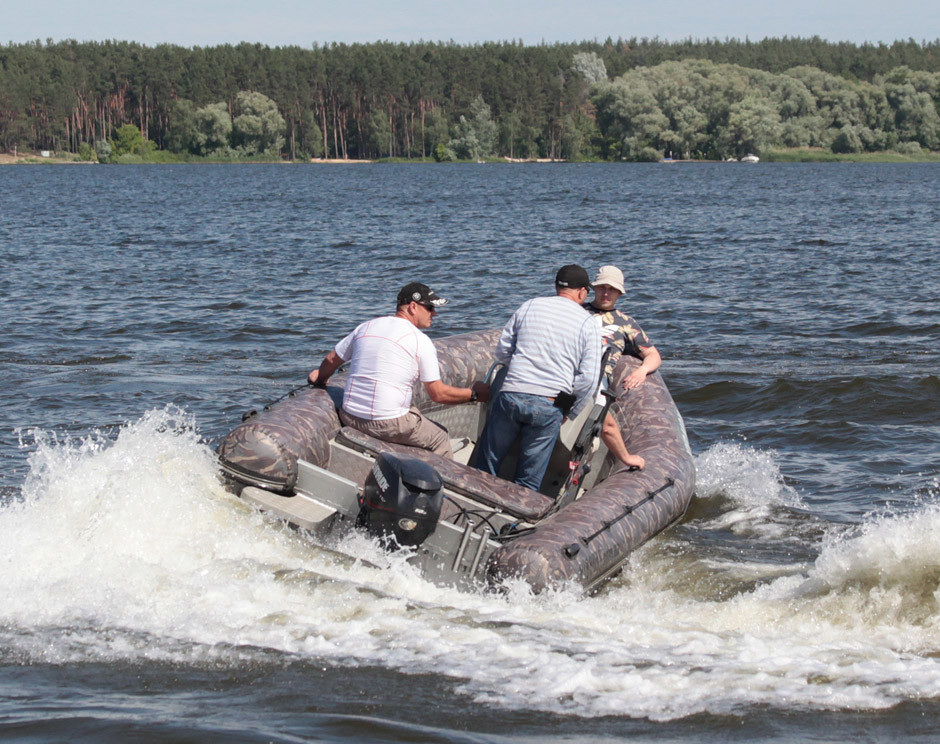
611	276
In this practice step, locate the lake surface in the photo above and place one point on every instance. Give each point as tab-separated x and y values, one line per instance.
144	309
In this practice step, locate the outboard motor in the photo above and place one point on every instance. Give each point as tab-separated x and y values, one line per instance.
401	497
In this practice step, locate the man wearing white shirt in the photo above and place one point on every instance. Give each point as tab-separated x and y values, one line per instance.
386	356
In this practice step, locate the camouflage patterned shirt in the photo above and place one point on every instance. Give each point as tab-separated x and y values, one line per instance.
619	332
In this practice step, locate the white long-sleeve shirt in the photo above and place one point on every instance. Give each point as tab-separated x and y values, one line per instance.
551	345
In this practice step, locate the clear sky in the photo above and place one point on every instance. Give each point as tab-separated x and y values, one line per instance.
305	22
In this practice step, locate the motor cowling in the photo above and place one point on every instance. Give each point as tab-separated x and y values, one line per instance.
401	498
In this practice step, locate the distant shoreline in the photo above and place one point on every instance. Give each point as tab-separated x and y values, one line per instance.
796	155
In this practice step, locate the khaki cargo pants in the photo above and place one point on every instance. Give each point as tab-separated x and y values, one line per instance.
413	429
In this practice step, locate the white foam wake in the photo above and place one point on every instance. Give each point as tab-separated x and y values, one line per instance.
751	482
128	548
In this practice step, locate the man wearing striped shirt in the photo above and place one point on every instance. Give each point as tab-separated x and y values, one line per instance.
552	347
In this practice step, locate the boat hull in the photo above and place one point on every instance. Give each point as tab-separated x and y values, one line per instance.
541	538
591	538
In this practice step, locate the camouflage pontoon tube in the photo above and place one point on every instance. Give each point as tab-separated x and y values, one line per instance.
590	539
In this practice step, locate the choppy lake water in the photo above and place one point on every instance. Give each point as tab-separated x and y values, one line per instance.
797	308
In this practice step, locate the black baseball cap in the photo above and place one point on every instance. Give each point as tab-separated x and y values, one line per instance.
572	276
420	293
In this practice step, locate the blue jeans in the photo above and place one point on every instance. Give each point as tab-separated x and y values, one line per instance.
535	421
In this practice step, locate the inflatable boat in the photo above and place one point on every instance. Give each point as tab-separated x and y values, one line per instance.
460	525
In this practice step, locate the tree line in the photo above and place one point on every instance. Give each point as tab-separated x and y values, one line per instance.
701	109
625	99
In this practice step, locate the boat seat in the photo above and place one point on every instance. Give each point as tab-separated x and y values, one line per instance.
515	500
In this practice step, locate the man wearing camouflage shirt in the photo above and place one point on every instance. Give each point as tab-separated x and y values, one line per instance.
622	335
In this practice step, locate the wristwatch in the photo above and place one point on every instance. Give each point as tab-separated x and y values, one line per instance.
473	395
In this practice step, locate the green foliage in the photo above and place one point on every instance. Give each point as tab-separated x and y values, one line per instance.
590	66
629	115
476	136
443	154
86	152
103	149
258	127
915	114
436	130
213	130
698	109
311	137
379	134
128	140
516	138
182	130
909	148
579	137
753	124
648	155
848	140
